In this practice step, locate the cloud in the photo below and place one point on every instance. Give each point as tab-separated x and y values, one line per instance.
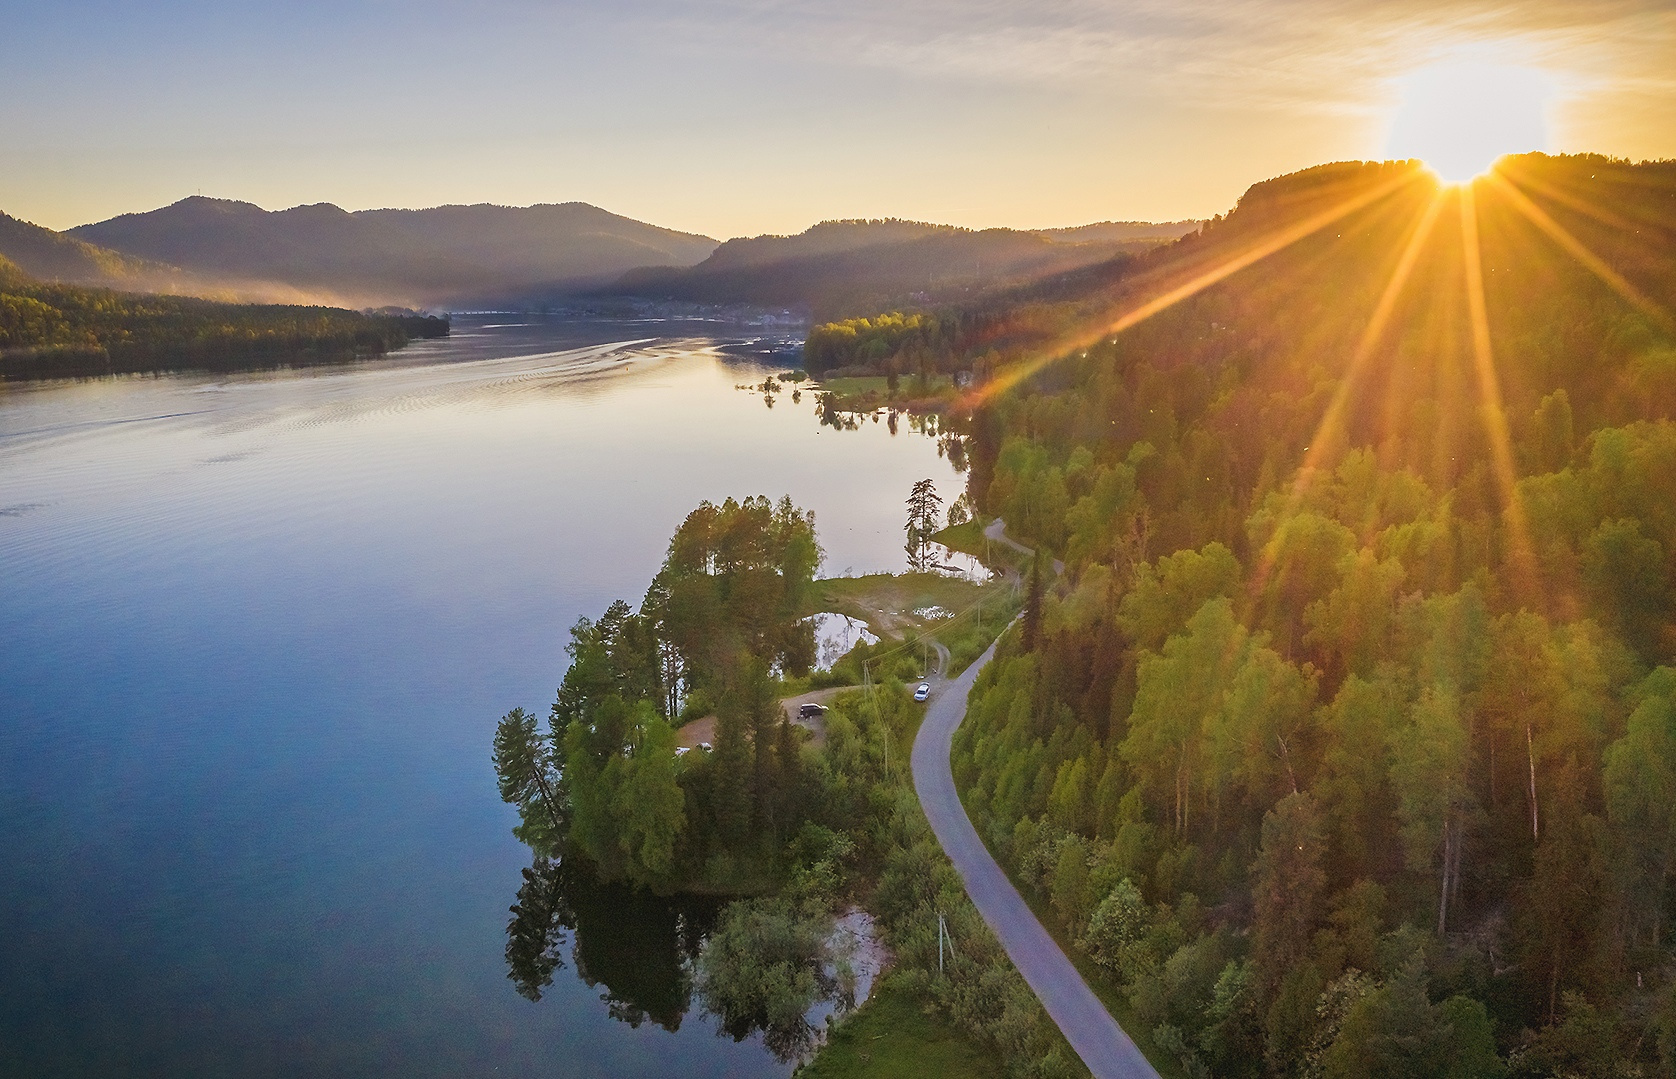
1317	55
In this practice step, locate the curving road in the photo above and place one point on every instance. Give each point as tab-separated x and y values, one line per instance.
1090	1029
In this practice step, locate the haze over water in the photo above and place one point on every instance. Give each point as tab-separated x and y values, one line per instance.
255	633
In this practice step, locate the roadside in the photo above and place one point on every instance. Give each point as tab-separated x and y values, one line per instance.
1081	1015
893	1035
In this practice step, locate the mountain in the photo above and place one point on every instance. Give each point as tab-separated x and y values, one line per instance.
444	256
1287	237
1121	232
52	256
857	267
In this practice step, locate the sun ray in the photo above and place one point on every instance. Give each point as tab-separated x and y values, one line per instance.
1575	248
1326	431
1511	171
1331	420
1254	253
1520	549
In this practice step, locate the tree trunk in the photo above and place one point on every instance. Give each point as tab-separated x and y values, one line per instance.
1443	887
1530	749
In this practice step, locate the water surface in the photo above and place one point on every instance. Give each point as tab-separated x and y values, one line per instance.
255	633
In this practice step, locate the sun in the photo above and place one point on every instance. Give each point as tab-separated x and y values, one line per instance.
1461	116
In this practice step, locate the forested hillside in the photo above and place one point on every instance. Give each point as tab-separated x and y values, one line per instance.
51	256
852	268
64	331
1346	743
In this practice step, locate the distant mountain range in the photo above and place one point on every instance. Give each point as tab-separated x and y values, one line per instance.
440	257
460	257
854	267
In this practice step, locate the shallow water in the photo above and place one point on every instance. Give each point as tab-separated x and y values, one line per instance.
255	633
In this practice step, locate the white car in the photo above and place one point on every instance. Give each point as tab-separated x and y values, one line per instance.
922	691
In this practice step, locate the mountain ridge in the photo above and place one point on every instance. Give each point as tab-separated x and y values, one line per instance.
430	257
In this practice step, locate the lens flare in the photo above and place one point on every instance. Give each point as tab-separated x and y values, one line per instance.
1461	117
1521	553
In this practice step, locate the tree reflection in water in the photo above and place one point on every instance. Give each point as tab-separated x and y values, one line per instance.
767	965
639	947
763	966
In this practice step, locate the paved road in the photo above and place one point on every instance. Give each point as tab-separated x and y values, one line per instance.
1090	1029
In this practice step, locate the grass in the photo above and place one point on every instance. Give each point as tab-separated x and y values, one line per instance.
968	538
886	601
864	394
890	1036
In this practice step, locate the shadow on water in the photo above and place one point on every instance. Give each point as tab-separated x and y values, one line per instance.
638	948
774	980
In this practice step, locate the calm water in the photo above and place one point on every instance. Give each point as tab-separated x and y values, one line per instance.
255	633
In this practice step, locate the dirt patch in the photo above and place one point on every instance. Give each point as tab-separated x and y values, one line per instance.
704	729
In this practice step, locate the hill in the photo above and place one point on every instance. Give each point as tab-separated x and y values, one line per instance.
858	267
444	256
56	330
1346	743
51	256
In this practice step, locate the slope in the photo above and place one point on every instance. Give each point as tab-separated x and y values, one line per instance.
1344	744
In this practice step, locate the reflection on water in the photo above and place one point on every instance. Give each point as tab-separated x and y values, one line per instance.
835	635
642	951
255	633
639	948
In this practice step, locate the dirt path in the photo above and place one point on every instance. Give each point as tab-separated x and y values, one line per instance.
704	730
996	531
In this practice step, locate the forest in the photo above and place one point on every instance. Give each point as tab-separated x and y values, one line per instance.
68	331
1346	743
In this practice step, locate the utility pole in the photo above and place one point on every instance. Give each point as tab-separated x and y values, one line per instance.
867	688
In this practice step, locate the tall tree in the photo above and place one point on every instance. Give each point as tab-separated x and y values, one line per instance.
924	504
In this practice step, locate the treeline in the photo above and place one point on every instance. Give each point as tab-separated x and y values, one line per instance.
66	331
1346	744
978	335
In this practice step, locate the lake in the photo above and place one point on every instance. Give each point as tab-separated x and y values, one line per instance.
255	634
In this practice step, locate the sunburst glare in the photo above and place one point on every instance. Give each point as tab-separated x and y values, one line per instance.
1461	116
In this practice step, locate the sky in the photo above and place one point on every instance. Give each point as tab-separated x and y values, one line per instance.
740	117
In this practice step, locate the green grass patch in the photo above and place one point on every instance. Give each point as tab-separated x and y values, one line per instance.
968	538
866	393
887	601
890	1036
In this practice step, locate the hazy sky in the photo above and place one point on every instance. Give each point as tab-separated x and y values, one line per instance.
735	117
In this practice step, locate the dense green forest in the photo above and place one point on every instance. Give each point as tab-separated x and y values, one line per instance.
1346	743
67	331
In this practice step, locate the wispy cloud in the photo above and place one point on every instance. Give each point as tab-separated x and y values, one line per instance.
1304	54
